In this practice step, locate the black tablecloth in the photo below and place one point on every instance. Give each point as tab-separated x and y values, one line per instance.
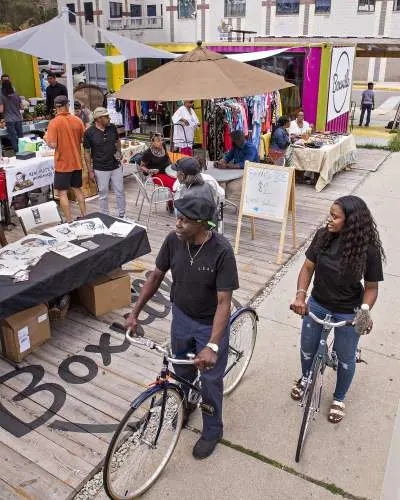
56	275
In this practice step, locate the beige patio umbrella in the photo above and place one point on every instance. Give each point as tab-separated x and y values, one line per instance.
201	74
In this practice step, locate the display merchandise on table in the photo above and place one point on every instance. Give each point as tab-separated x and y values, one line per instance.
130	148
55	275
27	127
334	153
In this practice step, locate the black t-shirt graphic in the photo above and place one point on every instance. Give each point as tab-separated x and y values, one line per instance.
341	293
102	146
194	288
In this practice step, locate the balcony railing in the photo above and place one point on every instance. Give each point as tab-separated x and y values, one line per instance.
136	23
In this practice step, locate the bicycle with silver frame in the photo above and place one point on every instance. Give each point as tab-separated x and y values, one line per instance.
146	437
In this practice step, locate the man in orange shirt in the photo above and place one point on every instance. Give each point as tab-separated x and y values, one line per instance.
65	134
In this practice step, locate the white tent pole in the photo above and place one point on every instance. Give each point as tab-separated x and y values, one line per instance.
68	64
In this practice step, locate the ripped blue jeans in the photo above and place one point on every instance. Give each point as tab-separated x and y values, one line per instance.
345	345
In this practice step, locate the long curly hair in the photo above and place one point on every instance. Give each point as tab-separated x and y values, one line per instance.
358	233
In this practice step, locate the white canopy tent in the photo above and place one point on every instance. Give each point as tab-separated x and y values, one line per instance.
257	55
56	40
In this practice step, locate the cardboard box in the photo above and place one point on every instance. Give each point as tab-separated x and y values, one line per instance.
23	332
107	293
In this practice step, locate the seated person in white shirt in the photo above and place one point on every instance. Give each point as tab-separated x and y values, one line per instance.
190	178
299	126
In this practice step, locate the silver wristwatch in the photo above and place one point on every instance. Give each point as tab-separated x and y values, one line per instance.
213	347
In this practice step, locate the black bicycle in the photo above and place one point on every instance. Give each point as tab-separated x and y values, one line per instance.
147	435
312	392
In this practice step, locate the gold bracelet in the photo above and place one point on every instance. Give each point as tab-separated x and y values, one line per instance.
301	290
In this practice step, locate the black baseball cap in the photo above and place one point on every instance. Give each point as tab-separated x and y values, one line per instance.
197	208
60	101
189	166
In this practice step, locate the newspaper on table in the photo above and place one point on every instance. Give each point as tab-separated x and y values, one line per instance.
23	254
67	249
78	230
121	229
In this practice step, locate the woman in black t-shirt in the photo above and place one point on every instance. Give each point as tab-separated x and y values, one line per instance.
155	160
341	255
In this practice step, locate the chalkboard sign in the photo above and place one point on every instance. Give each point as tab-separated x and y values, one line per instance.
265	192
268	192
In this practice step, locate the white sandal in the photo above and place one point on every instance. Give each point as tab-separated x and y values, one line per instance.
336	412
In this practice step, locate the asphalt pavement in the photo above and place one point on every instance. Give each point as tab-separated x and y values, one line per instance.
356	459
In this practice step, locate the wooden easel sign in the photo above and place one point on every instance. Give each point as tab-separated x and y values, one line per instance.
268	192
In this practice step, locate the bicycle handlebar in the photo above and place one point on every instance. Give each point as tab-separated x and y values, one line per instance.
329	324
143	342
339	324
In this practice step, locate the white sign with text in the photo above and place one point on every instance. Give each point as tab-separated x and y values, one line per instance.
26	175
340	81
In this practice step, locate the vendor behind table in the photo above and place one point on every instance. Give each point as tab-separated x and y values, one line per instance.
242	151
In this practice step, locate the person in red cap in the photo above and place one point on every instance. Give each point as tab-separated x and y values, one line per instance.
204	276
65	134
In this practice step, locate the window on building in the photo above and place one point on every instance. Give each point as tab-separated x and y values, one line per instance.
186	9
396	5
88	10
136	10
366	5
322	6
287	6
235	8
115	9
71	16
151	10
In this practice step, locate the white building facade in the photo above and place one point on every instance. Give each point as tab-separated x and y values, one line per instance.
179	21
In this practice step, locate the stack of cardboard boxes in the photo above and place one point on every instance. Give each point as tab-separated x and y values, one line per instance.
25	331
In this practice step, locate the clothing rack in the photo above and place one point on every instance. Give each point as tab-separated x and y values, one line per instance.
254	115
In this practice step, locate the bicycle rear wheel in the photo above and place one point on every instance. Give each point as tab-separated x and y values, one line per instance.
143	443
242	338
312	404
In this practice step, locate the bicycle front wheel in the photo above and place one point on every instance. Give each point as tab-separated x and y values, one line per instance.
312	405
242	339
143	443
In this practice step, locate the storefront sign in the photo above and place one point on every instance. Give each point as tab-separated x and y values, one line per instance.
28	175
340	81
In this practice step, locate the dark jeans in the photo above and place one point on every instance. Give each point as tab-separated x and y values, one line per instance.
365	108
188	335
345	345
14	131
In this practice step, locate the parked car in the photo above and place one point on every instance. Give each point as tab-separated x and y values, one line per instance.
46	66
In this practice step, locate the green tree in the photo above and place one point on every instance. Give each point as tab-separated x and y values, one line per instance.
20	14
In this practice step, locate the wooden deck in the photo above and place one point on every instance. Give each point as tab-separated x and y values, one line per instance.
58	412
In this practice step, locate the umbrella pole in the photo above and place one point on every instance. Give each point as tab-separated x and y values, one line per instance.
203	133
68	65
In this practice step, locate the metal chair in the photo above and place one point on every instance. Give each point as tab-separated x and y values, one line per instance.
153	196
37	216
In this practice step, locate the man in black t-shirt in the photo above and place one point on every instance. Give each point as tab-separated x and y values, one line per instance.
204	275
53	90
102	155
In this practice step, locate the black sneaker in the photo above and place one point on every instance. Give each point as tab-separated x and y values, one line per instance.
204	448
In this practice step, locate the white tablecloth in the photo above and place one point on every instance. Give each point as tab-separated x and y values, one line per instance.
326	161
26	175
225	174
131	151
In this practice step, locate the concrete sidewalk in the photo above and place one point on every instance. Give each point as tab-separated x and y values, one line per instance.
262	423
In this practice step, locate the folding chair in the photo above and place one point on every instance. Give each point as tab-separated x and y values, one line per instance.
153	196
37	216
